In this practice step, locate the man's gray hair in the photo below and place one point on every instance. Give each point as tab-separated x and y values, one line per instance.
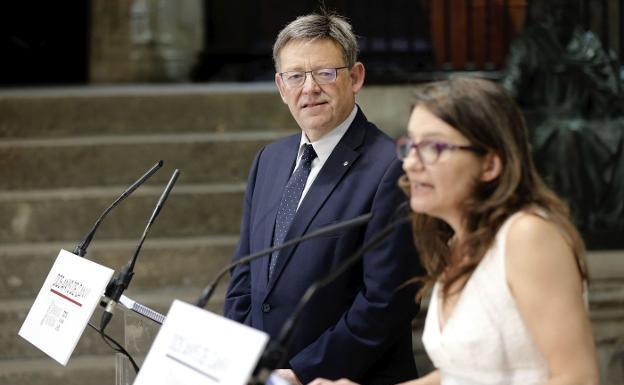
319	26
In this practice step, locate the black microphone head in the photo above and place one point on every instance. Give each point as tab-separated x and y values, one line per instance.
205	296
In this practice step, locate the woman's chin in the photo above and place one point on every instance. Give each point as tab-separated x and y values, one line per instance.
419	208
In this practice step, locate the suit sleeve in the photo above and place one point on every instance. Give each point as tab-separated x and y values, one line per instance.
379	311
238	297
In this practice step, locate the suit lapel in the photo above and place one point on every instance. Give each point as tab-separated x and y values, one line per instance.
334	169
279	172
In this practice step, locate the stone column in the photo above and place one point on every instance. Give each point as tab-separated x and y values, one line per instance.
144	40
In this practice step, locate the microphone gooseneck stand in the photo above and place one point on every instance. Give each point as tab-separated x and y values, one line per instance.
209	290
117	285
81	248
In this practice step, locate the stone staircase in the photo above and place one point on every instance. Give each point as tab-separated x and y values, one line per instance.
67	153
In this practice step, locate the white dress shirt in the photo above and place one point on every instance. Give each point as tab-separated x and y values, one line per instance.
323	148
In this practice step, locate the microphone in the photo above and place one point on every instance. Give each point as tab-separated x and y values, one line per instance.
274	355
142	310
116	287
81	248
209	290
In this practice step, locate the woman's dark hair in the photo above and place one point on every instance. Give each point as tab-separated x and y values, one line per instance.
490	119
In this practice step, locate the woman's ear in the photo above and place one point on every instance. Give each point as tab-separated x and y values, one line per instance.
492	167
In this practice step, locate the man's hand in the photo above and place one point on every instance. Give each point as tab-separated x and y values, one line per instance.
288	375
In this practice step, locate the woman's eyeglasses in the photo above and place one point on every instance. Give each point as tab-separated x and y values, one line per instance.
428	151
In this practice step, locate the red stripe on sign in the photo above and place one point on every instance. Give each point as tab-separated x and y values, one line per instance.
66	297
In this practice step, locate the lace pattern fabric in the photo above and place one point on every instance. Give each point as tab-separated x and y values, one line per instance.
484	340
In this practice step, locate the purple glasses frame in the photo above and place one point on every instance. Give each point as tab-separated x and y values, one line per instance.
404	145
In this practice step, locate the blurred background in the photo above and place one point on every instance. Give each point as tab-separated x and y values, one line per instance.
93	92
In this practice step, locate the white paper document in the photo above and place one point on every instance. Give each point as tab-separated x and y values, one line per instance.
195	346
64	305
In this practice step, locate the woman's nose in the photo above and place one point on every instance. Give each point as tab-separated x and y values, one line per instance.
412	161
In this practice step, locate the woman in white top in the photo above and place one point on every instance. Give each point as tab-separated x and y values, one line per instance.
505	264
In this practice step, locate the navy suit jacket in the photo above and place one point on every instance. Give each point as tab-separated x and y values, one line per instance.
359	327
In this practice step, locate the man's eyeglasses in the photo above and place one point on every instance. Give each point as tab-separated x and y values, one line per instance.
294	79
429	151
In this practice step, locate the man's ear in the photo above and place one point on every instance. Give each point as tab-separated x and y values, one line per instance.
357	74
492	167
281	87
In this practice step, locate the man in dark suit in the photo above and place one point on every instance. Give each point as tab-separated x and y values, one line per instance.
341	166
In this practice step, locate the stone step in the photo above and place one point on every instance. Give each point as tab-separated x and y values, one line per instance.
13	313
84	370
105	110
68	214
147	109
163	262
119	160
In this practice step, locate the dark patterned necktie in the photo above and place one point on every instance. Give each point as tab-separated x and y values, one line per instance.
290	201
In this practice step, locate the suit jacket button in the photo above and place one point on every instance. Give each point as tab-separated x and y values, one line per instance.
266	307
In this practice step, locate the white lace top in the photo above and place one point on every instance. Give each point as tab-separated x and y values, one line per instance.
485	340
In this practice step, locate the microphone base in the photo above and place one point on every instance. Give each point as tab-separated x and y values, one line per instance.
272	358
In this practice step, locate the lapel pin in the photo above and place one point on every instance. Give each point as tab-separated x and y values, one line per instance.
345	163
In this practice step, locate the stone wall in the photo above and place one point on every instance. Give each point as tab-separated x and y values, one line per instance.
137	41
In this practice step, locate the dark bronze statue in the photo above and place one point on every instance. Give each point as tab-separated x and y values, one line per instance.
569	88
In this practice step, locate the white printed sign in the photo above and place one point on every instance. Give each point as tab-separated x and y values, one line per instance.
64	305
195	346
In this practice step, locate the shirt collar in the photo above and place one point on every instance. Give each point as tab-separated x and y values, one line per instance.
326	144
